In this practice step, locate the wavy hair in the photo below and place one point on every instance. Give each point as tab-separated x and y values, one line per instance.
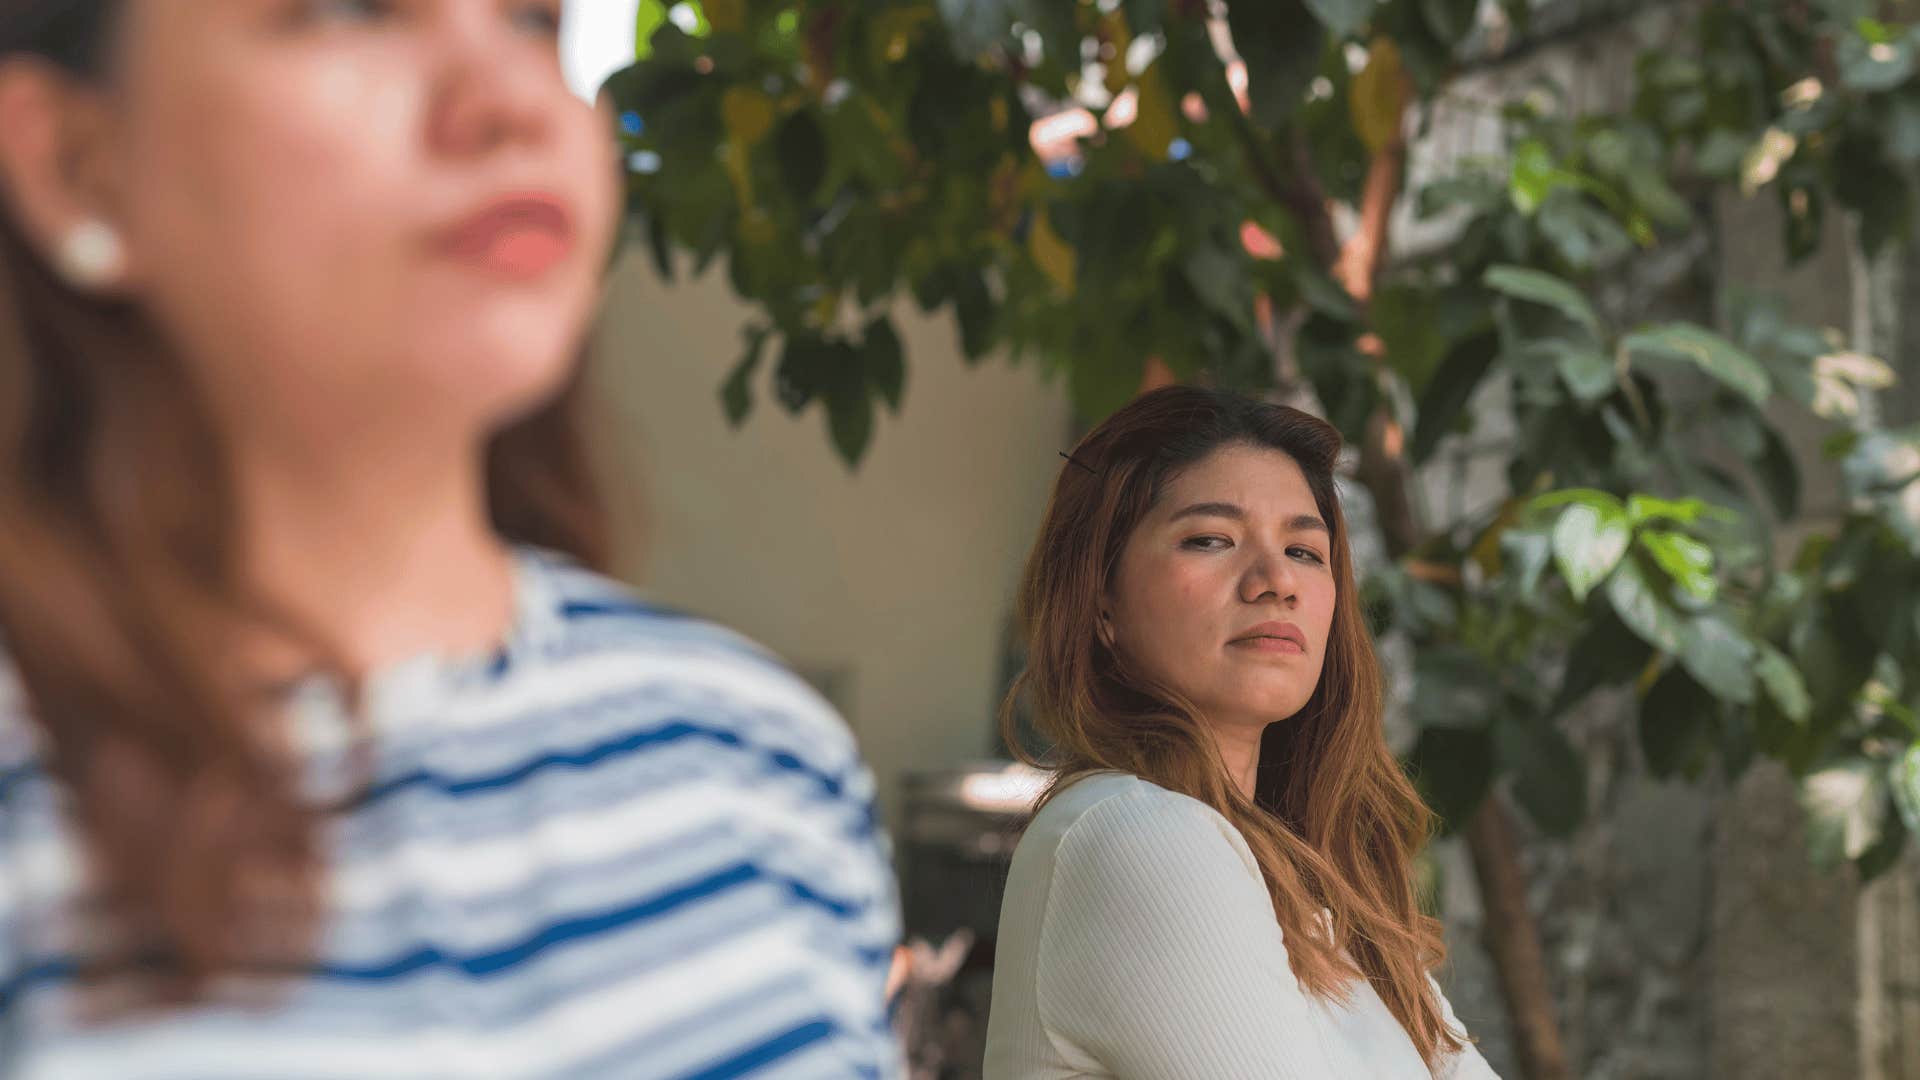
120	598
1334	823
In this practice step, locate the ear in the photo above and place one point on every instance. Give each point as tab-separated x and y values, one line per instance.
1104	627
53	147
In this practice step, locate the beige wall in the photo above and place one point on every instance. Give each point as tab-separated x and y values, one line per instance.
900	575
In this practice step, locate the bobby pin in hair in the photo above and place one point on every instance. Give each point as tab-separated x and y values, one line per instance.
1082	464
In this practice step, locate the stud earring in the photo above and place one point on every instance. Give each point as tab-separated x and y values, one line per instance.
92	256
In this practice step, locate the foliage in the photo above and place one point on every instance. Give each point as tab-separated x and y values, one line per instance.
839	155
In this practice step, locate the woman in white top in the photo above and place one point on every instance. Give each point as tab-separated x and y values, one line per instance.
1218	882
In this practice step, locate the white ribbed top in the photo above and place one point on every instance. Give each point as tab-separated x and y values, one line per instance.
1137	941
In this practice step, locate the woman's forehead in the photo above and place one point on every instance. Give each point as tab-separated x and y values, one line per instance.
1257	479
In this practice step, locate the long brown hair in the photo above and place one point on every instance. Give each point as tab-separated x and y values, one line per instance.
1334	822
120	598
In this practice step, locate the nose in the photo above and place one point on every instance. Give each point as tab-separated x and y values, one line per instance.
1268	575
490	92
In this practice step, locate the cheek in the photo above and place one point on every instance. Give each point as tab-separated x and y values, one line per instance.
1319	603
1168	619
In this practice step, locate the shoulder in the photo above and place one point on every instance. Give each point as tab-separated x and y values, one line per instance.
1118	824
587	630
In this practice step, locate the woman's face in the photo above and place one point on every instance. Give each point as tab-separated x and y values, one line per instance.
358	217
1225	590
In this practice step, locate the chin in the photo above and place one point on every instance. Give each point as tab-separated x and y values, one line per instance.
1274	704
497	381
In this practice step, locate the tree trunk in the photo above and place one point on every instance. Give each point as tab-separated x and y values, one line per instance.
1512	938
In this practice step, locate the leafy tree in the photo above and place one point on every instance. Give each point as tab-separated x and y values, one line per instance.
839	154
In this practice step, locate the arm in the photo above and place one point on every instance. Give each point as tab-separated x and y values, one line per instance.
1160	955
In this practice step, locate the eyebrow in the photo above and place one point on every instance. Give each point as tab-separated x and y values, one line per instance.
1297	523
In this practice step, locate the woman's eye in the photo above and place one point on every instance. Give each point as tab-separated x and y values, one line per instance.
1308	554
346	10
542	19
1206	543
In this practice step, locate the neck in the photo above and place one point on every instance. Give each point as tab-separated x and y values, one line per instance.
1239	747
383	557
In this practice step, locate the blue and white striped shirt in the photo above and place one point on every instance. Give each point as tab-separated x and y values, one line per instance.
631	844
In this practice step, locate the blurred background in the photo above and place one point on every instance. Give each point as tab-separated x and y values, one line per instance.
1613	299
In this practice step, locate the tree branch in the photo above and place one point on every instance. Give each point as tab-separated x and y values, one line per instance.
1512	938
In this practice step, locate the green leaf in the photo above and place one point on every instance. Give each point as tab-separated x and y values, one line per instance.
1604	501
1686	560
849	407
1450	20
1541	288
885	362
1720	658
1883	462
1549	779
652	16
1408	320
1588	541
1884	469
1779	473
1322	293
1645	508
1607	652
1904	777
1583	235
973	309
801	148
803	370
1902	126
1783	683
1846	806
1221	281
1535	176
736	394
1676	725
1527	553
1344	18
1588	375
1281	42
1453	768
1374	98
1871	67
1639	604
1460	374
1098	390
1720	153
1705	350
1454	687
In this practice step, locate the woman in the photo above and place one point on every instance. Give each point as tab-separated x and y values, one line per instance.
1218	882
322	752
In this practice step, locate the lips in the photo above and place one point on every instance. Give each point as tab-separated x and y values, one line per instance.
521	236
1275	637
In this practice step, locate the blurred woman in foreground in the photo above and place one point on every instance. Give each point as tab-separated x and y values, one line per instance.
323	749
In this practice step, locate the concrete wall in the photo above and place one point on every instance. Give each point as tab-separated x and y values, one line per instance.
891	585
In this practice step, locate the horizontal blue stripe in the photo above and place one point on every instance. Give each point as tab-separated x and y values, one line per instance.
490	964
612	749
593	609
781	1045
18	775
61	970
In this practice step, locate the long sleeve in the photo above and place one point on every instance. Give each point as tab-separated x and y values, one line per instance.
1467	1064
1160	956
